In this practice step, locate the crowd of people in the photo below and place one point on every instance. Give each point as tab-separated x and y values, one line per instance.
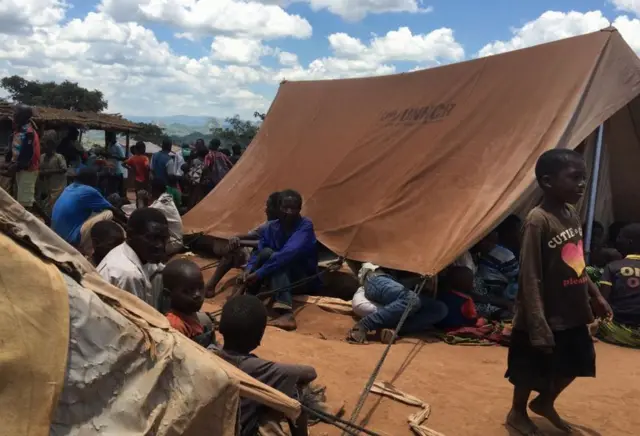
533	272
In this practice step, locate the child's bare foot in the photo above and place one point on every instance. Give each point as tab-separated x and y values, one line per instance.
522	424
547	411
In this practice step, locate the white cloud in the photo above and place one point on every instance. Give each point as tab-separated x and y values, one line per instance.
401	45
353	58
357	9
185	35
238	50
630	31
550	26
333	68
553	25
21	16
243	17
287	59
627	5
354	10
137	73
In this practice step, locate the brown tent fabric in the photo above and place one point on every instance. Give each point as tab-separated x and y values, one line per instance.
155	381
35	338
409	170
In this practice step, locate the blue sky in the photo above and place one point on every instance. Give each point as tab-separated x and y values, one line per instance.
221	57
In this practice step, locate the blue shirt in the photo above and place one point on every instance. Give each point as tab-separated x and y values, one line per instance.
159	163
74	206
295	250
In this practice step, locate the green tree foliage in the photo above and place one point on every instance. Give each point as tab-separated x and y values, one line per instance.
65	95
149	132
191	138
236	130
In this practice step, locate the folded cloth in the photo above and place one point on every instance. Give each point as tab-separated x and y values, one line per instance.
494	333
361	305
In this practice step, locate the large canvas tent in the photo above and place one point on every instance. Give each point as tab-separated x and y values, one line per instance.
409	170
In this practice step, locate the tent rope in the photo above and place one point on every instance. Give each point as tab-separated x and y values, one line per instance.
378	366
346	426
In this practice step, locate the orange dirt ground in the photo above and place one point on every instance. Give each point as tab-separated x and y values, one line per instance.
464	385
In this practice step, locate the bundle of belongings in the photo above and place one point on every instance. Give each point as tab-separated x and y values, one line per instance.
80	356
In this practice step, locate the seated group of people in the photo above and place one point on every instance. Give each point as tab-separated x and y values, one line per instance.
480	285
281	256
129	250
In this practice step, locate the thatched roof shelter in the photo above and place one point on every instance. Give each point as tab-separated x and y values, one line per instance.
49	117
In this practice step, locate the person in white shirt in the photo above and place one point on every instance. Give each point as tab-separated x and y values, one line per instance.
147	236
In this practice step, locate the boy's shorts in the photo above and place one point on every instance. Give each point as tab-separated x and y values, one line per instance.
573	356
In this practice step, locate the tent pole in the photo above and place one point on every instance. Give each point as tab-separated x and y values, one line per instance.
593	192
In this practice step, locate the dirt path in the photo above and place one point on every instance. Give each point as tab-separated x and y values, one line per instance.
464	385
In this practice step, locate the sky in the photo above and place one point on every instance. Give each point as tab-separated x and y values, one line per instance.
224	57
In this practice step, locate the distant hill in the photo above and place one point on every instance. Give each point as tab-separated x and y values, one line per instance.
180	128
187	120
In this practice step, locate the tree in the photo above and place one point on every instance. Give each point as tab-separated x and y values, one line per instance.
259	115
65	95
236	131
149	132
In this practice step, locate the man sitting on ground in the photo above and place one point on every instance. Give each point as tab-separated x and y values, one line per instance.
242	325
286	255
79	208
620	282
240	246
147	235
392	298
105	235
184	283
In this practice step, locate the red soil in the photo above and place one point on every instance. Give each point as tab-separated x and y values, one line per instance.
465	386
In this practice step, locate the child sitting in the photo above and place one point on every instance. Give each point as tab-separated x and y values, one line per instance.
183	282
242	324
461	308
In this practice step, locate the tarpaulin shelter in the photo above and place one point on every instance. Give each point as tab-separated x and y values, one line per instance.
81	357
409	170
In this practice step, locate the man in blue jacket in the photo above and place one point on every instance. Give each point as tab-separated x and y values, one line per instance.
286	256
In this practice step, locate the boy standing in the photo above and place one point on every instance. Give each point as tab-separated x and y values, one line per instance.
140	164
550	343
